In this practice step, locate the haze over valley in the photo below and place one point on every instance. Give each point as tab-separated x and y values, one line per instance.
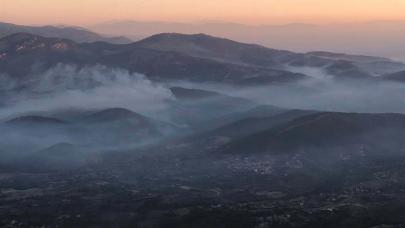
165	124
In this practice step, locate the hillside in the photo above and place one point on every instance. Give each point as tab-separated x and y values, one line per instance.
77	34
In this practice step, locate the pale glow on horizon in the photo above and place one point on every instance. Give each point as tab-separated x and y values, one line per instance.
87	12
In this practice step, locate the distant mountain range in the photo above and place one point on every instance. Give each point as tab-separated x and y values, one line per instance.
199	58
380	38
76	34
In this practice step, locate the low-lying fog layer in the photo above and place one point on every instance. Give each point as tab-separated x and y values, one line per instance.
71	94
322	92
99	87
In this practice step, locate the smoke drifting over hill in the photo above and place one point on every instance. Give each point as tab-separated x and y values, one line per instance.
348	96
67	87
322	92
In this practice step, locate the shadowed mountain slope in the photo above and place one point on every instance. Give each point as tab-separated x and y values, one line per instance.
39	54
175	56
323	131
398	76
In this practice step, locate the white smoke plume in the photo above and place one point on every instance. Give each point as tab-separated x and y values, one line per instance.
67	87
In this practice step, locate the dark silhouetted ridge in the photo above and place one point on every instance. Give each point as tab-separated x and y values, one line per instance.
113	114
35	120
183	93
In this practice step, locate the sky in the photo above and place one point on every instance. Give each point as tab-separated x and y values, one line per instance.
88	12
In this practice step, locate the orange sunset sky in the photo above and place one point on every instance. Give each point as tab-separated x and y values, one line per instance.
87	12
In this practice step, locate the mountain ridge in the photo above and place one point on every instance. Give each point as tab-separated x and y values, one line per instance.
174	56
77	34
